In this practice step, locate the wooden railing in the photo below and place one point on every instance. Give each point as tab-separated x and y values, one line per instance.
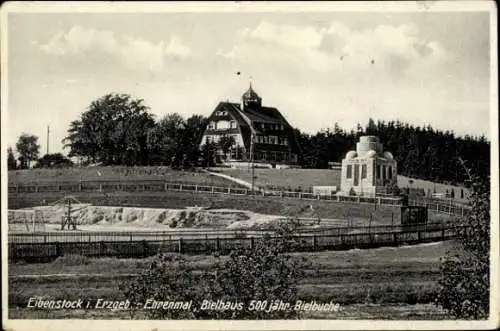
439	206
162	186
135	244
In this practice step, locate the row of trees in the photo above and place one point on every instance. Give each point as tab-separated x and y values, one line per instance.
421	152
28	150
119	130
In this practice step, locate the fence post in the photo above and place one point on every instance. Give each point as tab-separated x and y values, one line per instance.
314	241
442	234
80	186
180	187
165	186
217	244
252	244
100	187
300	195
131	237
228	190
36	188
180	244
246	191
196	188
212	190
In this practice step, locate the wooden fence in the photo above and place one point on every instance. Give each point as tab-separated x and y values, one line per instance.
449	208
146	244
162	186
438	205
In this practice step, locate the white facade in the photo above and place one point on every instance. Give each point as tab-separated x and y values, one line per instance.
367	171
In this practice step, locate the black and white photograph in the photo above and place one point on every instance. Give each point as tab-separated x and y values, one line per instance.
249	165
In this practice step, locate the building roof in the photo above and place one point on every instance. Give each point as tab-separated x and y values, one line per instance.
250	93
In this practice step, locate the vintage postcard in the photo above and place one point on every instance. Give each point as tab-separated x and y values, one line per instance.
246	165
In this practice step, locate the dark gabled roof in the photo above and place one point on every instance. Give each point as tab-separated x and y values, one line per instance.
269	115
265	115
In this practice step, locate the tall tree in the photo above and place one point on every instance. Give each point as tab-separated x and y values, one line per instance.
165	140
11	160
113	131
28	148
191	137
225	144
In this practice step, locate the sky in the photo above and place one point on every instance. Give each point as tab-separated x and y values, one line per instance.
317	67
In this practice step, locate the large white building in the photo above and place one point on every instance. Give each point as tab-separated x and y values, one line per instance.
367	170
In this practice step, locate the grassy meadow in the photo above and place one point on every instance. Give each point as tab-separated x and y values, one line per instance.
307	178
382	283
115	173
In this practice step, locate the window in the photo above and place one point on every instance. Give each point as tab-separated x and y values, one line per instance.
349	171
266	139
273	140
389	175
379	171
232	124
282	127
363	171
211	125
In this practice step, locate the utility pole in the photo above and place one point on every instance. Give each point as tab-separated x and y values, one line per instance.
252	159
48	135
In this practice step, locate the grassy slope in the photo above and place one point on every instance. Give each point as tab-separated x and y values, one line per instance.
368	283
306	178
41	176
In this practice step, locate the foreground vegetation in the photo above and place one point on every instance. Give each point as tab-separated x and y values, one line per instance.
367	283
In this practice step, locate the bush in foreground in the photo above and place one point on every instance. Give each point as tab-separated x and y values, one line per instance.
264	273
464	284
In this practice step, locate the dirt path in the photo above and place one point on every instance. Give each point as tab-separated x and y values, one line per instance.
233	179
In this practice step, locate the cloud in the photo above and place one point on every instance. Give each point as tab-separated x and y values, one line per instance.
134	53
288	35
390	50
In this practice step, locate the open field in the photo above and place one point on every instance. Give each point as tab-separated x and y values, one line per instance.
115	173
388	283
286	178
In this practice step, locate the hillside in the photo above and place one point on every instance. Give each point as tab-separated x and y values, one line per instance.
291	179
115	173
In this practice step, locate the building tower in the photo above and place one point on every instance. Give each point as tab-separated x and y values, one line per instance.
250	99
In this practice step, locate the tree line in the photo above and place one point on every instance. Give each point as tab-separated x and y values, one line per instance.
421	152
117	129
